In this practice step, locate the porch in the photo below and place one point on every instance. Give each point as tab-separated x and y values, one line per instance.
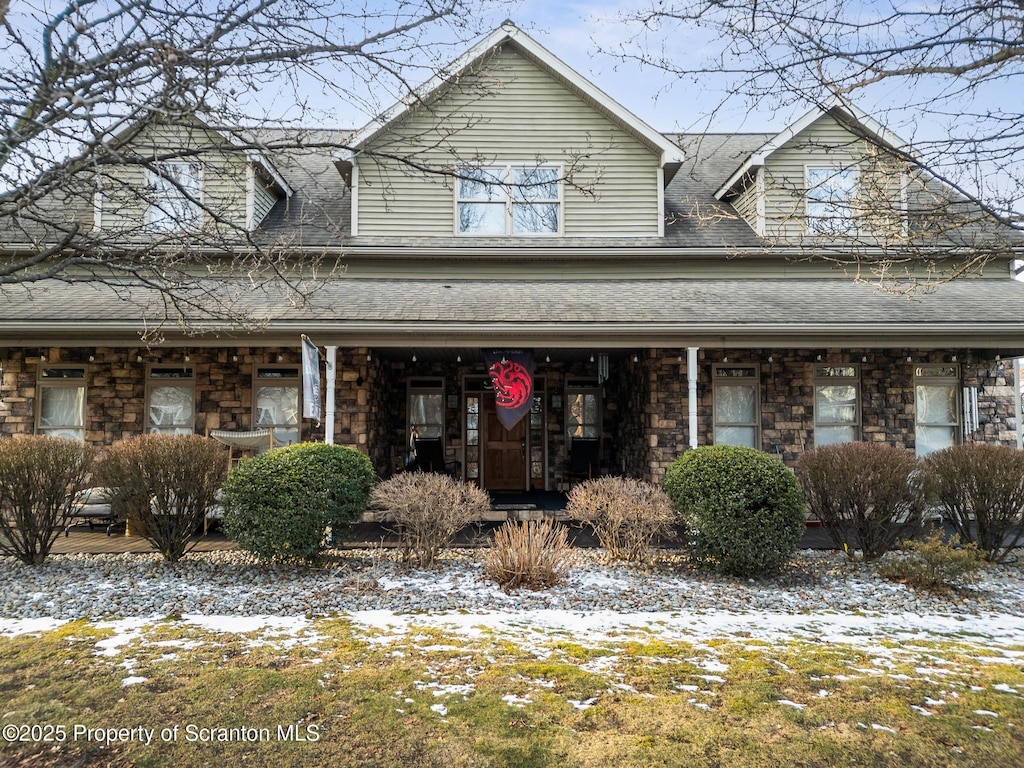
363	535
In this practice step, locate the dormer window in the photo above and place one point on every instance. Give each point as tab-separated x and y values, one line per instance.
509	200
830	200
174	194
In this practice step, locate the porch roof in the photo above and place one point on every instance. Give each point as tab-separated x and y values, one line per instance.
720	312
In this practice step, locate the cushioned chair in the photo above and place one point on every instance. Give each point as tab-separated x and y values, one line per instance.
95	507
213	514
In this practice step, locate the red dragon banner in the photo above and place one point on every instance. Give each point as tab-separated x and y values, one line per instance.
511	373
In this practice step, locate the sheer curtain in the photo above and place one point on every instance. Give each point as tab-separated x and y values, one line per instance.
62	412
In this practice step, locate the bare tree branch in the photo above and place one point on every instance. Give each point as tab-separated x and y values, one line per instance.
944	65
133	132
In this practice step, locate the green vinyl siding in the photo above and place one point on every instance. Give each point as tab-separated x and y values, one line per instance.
263	199
508	110
879	204
223	182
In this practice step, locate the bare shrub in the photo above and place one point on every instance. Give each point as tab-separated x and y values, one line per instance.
627	515
428	509
934	564
39	478
980	490
868	495
165	484
534	555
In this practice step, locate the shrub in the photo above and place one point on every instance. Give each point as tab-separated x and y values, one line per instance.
39	478
428	509
532	554
627	515
980	490
933	564
279	504
868	495
165	484
741	507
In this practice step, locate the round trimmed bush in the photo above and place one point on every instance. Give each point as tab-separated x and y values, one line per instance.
279	504
742	508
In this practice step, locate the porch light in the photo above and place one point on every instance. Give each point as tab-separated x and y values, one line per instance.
458	358
636	358
771	358
591	358
42	358
547	358
910	359
414	358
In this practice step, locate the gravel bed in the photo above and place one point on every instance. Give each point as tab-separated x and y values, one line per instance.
232	583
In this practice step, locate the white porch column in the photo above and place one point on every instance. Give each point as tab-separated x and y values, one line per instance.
332	375
691	394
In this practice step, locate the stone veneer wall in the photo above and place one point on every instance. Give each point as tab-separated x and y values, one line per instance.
787	400
116	390
645	402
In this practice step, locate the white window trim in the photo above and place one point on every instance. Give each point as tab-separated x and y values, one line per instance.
760	197
508	167
152	177
836	168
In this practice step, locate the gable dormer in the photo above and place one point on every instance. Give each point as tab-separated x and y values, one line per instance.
834	173
509	143
177	179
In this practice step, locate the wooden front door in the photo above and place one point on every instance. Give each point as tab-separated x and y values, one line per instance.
505	451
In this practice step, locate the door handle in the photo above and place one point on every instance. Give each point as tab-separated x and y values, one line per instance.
522	446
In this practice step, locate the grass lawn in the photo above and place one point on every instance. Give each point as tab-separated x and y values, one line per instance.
336	692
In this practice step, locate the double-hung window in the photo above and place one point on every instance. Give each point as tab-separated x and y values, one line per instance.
937	407
831	193
61	402
737	406
836	404
277	404
509	200
175	190
170	397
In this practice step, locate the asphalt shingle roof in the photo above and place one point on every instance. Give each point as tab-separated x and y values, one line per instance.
693	303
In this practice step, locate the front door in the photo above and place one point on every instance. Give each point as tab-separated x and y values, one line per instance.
504	450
